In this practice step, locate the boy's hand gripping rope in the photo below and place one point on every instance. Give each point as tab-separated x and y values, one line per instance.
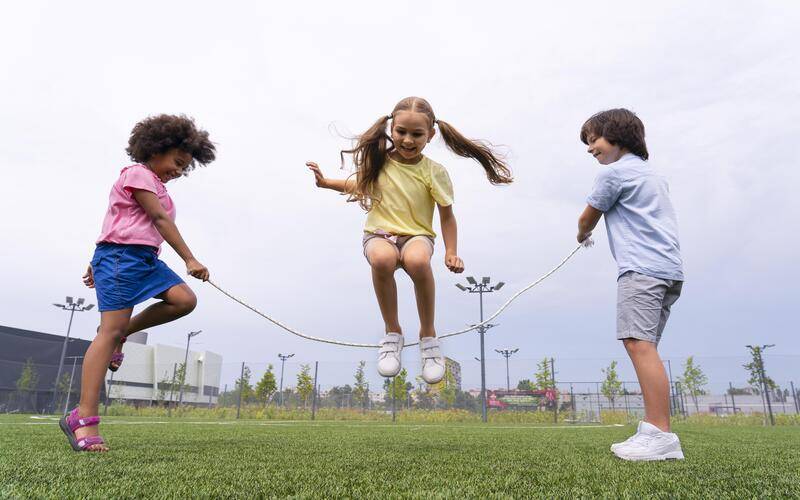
586	244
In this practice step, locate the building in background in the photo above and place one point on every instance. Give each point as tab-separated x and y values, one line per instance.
29	362
28	366
146	374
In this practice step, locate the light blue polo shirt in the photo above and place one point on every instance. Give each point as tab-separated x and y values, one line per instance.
640	220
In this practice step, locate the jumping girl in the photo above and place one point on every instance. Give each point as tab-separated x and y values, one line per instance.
125	269
398	187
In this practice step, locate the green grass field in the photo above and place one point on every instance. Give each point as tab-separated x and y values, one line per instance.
182	458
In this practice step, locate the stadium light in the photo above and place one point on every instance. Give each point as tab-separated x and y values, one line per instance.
283	357
506	354
71	307
480	288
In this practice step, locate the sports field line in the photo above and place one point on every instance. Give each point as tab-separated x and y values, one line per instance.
320	423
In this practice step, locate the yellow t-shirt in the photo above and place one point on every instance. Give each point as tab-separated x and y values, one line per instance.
407	196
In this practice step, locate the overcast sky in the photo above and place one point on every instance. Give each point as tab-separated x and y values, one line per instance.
278	84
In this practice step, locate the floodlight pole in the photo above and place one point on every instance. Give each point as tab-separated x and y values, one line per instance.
70	306
507	353
185	367
481	288
283	357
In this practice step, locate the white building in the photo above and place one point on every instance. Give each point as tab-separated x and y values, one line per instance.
146	374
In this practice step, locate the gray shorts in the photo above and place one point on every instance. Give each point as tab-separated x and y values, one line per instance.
643	305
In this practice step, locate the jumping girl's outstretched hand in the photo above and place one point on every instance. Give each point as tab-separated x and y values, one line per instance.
318	176
454	263
197	270
341	185
88	278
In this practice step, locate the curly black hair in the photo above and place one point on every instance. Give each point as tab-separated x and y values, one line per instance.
620	127
159	134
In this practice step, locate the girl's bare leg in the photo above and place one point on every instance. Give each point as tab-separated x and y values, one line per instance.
383	260
177	301
417	263
113	325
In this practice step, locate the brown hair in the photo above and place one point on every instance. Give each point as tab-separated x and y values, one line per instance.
620	127
374	145
159	134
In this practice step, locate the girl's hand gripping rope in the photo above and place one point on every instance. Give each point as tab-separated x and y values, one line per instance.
197	270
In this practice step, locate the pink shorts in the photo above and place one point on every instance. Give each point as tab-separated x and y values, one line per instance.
399	243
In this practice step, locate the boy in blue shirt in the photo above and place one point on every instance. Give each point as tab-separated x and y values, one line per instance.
643	236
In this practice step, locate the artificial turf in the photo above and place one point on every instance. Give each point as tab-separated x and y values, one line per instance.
177	458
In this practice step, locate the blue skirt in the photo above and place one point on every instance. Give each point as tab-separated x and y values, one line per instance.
126	275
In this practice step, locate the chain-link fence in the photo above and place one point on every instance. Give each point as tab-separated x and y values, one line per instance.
546	389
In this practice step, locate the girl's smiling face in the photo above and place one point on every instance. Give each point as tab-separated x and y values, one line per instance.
169	165
411	132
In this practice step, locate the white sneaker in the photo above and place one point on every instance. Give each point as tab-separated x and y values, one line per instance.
389	355
650	443
433	366
629	440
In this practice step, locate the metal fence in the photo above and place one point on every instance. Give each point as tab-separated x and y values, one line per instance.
312	386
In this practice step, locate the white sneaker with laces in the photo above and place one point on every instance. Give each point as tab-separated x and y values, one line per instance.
627	441
389	355
433	366
651	443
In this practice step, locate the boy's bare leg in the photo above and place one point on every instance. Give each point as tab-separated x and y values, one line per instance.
383	260
653	381
417	263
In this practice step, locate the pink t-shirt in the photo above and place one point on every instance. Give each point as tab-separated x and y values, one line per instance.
126	222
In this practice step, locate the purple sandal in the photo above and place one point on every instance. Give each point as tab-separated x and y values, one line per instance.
117	357
70	423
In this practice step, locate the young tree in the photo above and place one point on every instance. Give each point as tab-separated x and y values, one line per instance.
180	379
756	368
27	383
543	376
244	387
360	388
305	384
525	385
400	389
448	392
163	386
266	387
612	386
423	394
693	380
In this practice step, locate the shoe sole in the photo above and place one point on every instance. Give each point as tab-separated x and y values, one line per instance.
73	441
672	455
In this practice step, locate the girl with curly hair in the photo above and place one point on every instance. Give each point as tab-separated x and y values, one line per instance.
125	269
398	187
